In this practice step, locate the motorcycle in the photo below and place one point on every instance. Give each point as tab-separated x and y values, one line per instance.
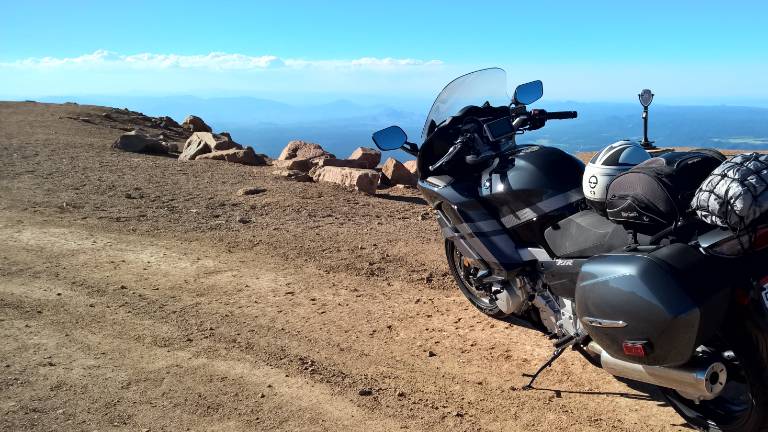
673	311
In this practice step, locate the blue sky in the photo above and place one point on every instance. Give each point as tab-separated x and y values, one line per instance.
688	52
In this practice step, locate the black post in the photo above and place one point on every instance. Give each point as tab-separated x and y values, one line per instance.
646	143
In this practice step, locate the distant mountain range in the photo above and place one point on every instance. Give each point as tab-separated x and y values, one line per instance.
343	125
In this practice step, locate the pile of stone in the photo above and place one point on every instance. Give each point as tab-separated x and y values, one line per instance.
302	161
201	144
210	146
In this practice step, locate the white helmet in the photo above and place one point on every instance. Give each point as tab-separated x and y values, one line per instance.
607	164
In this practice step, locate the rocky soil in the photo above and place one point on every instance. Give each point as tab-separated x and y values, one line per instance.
141	293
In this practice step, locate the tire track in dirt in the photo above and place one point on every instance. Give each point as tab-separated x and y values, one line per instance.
213	312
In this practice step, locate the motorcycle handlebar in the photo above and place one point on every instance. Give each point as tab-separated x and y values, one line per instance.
561	115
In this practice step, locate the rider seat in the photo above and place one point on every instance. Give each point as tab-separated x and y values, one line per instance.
585	234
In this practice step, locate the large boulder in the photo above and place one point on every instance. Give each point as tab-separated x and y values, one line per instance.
397	174
412	167
166	122
194	148
345	163
303	150
363	180
175	146
195	124
138	142
246	156
303	165
205	142
216	142
294	175
366	156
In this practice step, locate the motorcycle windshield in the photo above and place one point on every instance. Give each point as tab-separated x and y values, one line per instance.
475	88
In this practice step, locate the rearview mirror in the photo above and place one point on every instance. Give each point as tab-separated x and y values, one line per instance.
391	138
528	93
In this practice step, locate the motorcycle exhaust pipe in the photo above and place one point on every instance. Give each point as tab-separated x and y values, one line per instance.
693	383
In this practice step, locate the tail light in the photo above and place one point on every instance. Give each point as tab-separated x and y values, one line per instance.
636	348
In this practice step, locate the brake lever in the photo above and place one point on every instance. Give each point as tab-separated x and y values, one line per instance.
448	155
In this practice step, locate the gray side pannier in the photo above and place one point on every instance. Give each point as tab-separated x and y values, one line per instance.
735	195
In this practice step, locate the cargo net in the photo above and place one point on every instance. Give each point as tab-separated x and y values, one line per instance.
735	195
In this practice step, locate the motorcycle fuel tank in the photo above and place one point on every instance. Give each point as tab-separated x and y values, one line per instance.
652	308
532	188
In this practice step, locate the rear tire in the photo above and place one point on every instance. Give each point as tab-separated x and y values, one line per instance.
460	271
743	408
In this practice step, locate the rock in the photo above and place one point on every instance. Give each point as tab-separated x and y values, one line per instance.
215	142
303	165
244	219
431	353
167	122
363	180
249	191
294	175
411	166
303	150
365	391
138	142
194	148
245	157
346	163
396	173
175	147
369	157
195	124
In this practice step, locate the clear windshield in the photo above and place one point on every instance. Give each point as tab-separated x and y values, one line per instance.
475	88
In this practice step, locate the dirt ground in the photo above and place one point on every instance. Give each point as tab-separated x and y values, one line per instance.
140	293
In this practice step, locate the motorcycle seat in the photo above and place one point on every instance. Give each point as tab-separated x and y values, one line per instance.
585	234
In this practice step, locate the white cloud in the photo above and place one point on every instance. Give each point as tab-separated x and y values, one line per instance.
103	59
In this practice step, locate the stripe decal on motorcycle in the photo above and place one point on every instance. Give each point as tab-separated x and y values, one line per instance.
546	206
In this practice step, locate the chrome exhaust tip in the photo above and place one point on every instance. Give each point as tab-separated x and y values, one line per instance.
695	383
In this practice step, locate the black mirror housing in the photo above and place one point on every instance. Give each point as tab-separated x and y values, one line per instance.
528	93
391	138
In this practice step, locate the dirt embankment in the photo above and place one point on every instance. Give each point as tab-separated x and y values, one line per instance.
141	293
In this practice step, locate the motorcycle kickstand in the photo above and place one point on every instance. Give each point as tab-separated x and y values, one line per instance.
560	345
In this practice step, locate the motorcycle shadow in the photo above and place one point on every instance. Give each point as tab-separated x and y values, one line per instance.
402	198
649	392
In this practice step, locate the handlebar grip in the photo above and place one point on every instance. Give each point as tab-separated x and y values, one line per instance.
561	115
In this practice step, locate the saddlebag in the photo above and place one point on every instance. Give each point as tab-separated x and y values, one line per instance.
652	308
656	193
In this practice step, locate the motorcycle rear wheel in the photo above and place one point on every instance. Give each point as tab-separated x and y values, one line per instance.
743	404
461	270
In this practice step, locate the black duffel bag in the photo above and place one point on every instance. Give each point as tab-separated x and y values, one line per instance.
655	194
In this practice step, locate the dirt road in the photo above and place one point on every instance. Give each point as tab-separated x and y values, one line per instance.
132	297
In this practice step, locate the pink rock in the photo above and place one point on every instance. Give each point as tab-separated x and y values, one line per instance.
345	163
195	124
369	157
245	157
303	150
396	173
412	167
363	180
303	165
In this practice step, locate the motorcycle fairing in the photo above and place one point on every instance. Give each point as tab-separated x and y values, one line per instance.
476	231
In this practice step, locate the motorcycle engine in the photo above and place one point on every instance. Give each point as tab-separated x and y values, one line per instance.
557	314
